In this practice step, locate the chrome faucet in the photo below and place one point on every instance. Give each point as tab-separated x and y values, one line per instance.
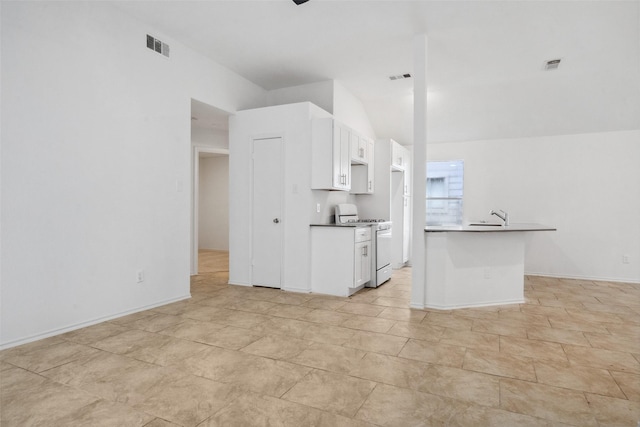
504	216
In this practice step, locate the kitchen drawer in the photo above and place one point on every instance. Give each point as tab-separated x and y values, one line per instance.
363	234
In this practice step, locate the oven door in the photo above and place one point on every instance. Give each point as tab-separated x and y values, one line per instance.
383	248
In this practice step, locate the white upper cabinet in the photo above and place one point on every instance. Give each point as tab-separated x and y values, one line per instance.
359	148
362	174
401	161
399	156
330	155
407	174
370	166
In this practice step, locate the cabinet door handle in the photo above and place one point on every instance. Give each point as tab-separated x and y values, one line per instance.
276	220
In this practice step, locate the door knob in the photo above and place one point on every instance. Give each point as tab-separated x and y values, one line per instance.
276	220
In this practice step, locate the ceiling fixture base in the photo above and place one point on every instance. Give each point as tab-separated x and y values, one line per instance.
552	64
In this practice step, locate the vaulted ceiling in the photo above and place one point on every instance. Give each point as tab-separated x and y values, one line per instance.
486	58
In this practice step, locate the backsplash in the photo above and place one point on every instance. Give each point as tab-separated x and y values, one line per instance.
328	200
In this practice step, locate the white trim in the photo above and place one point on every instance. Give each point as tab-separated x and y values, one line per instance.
195	191
298	290
593	279
484	304
95	321
238	283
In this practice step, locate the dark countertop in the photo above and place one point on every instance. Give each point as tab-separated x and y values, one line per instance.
353	224
489	228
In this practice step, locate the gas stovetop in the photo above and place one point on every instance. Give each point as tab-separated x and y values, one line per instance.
347	214
365	220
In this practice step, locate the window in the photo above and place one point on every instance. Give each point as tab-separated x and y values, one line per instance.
445	184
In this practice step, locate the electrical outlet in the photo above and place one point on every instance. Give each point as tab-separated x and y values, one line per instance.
140	276
487	272
625	259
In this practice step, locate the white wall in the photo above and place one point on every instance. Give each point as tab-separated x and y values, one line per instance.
588	186
213	204
328	201
211	138
96	164
293	123
331	96
320	94
349	110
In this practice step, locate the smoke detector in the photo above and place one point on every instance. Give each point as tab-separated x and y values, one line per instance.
552	64
400	76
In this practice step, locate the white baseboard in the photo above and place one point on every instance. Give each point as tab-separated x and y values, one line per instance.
594	279
298	290
58	331
484	304
238	283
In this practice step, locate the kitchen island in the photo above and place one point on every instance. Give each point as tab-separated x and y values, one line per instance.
475	265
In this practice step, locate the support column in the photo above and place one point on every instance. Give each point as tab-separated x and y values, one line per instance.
419	168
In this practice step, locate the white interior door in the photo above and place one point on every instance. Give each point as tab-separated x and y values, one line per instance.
267	212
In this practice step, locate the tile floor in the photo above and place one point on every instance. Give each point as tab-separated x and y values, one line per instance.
236	356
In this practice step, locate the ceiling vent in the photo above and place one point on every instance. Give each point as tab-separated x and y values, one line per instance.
400	77
552	64
157	45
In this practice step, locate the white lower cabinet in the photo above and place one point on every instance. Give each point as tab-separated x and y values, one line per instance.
340	259
362	266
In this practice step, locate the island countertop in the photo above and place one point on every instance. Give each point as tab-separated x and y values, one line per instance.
346	225
489	228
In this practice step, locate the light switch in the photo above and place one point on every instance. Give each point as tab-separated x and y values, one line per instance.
318	207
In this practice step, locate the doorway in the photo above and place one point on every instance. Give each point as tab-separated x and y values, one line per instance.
210	189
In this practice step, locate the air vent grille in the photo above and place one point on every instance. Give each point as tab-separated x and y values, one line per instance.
400	76
552	64
157	46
